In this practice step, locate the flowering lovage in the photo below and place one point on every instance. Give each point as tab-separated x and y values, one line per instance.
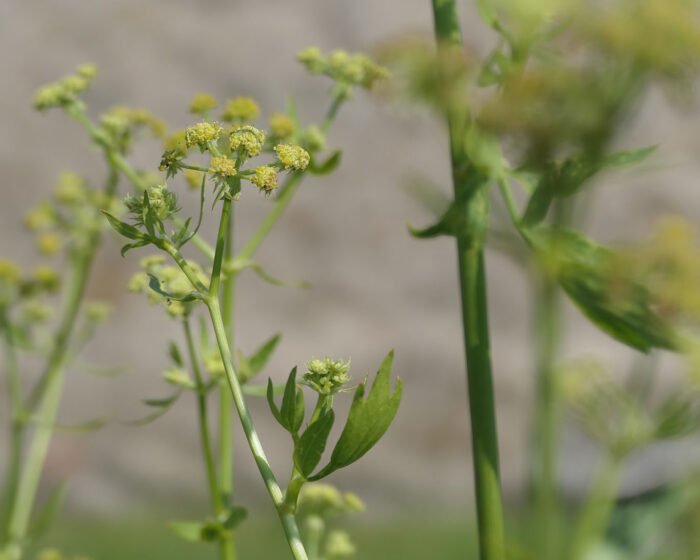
292	157
326	376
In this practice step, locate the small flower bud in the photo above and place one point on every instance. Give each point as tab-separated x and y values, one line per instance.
338	545
202	103
176	142
41	217
48	243
222	166
87	71
201	133
70	189
47	97
213	363
292	157
241	109
9	272
265	178
353	502
326	376
35	312
312	59
314	139
247	140
193	178
98	311
281	126
138	282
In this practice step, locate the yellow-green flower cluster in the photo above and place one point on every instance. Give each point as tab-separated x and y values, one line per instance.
281	126
9	272
202	133
97	311
338	545
241	109
326	376
193	178
176	142
65	91
265	178
222	166
130	117
41	217
46	278
247	140
349	69
202	103
292	157
49	243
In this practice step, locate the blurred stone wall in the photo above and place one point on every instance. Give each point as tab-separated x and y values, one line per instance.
373	287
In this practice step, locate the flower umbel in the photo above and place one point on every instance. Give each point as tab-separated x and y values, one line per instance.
326	376
292	157
201	133
241	109
247	140
265	178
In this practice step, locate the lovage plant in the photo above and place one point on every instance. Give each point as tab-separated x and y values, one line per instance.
223	160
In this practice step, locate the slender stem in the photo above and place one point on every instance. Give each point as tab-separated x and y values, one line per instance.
225	402
281	202
472	277
207	453
288	522
332	112
14	393
546	425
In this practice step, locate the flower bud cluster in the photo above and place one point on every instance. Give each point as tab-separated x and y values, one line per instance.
65	91
240	110
202	133
345	68
162	202
326	376
202	103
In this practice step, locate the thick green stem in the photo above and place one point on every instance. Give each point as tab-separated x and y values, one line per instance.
472	278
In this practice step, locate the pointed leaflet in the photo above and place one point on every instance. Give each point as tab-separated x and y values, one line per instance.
154	284
291	414
368	419
603	286
325	167
175	354
258	360
123	228
163	405
312	443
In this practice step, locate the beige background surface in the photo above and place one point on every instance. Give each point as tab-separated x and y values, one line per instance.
374	288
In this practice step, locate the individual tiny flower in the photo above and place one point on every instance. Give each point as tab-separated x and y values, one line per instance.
265	178
281	126
202	103
292	157
241	109
48	243
326	376
247	140
222	166
46	277
202	133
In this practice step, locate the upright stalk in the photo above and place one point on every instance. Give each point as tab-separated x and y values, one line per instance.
472	276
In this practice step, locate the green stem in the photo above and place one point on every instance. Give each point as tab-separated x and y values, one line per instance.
281	202
546	424
595	514
472	277
225	402
14	393
207	453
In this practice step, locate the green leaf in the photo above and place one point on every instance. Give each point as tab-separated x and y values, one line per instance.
235	517
368	419
262	355
44	517
487	12
291	414
603	287
466	218
123	228
175	354
239	265
312	443
162	406
129	246
628	157
327	166
537	206
84	427
190	531
678	416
